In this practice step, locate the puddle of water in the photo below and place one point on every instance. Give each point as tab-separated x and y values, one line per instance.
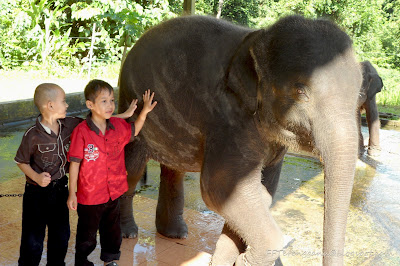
296	170
382	195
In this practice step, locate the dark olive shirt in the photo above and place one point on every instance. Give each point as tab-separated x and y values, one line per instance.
45	151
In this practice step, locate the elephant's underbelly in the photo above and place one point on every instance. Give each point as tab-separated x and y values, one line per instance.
183	158
176	145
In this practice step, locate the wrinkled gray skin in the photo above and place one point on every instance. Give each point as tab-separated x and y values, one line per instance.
371	85
231	100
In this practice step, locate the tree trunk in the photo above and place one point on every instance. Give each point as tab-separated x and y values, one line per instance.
124	54
220	4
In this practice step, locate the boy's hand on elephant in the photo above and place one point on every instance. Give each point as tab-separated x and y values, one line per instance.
148	106
43	179
131	110
72	201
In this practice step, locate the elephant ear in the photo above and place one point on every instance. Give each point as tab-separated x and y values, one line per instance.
372	81
375	85
242	76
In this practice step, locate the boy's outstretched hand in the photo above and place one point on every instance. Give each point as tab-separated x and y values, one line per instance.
129	112
148	106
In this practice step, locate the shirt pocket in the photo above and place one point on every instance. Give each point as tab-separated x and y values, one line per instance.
115	147
47	158
49	147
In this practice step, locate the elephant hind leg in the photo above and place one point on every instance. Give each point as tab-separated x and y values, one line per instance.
135	161
169	216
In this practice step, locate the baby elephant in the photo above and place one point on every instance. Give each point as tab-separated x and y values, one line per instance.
372	84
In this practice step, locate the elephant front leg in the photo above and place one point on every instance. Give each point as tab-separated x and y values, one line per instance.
244	202
374	125
361	148
169	216
228	248
247	214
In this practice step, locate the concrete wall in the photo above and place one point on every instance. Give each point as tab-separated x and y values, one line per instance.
22	110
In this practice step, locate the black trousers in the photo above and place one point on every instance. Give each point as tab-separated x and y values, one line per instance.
105	218
41	207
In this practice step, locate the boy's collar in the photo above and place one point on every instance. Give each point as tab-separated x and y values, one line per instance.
47	129
94	128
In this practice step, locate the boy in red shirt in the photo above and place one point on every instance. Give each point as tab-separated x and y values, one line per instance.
97	170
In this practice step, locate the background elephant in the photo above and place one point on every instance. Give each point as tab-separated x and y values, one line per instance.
231	100
371	85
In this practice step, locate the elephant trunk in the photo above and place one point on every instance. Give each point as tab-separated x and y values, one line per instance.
338	144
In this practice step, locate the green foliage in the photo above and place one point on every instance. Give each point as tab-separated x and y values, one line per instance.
37	33
206	7
390	109
390	95
13	24
58	32
176	6
240	12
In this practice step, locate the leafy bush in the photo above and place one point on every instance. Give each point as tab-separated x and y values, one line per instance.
58	32
390	95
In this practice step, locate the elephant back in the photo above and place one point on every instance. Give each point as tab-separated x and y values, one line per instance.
187	56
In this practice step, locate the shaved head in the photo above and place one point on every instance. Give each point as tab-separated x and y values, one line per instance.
44	93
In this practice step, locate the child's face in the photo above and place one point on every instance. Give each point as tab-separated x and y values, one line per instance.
59	105
103	106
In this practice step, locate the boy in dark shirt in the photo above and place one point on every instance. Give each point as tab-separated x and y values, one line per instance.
98	172
42	156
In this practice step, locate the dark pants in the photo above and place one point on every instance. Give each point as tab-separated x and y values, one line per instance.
41	207
105	218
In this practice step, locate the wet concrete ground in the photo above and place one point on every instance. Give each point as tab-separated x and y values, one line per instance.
373	230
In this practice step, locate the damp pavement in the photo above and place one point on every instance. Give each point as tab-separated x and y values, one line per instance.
373	228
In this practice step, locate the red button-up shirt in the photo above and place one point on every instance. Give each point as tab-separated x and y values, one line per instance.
102	172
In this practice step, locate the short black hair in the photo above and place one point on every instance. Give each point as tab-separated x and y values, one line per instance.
94	87
44	93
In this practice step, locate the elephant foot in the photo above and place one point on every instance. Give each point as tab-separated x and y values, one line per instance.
213	263
374	151
242	260
129	230
176	228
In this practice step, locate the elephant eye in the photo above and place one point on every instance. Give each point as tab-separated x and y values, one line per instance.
301	91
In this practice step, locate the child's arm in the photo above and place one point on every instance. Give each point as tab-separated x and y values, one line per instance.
73	181
129	112
43	179
148	106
